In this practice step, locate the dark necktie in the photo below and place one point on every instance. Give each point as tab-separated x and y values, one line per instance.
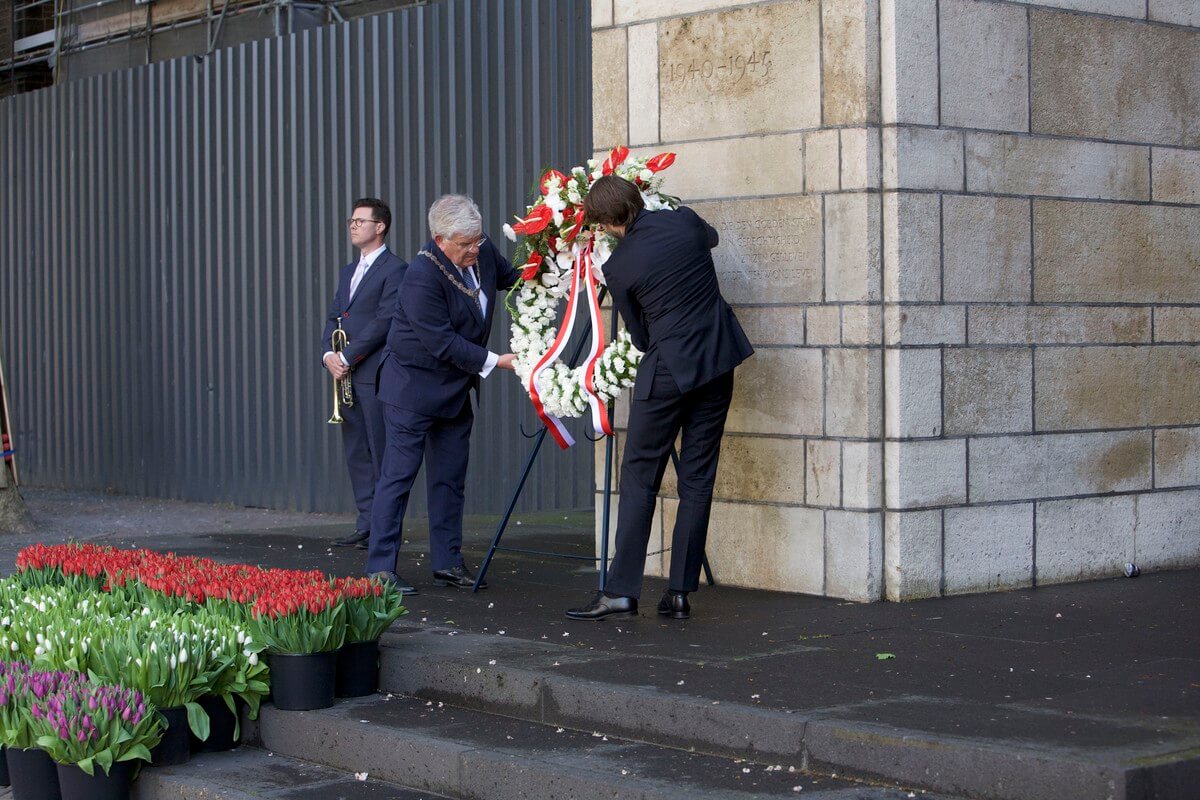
469	279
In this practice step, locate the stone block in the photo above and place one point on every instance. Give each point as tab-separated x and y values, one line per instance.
924	474
912	554
770	250
1178	12
773	325
1091	537
1176	457
778	548
987	248
861	154
850	61
1115	253
988	390
853	406
602	13
823	325
924	324
644	79
984	66
769	375
914	394
854	555
1059	465
862	325
1107	79
853	240
626	11
760	469
1117	8
1177	324
1176	174
862	474
988	548
1168	529
1117	387
1035	165
921	158
912	247
1057	324
908	41
822	160
610	88
747	70
823	472
739	167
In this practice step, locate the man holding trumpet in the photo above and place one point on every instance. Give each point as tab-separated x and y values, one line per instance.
362	308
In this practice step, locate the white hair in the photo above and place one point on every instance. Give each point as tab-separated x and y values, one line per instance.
454	213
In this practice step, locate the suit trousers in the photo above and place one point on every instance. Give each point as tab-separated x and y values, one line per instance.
444	445
654	424
363	439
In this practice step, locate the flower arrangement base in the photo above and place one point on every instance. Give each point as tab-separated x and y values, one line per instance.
3	766
175	747
358	669
33	775
222	723
302	681
78	785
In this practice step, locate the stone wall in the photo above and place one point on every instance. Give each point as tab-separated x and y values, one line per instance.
964	236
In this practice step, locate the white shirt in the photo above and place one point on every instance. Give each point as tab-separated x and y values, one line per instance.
370	259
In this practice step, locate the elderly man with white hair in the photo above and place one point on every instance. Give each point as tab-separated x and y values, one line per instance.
436	354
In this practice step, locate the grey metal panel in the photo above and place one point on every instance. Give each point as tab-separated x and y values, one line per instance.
170	237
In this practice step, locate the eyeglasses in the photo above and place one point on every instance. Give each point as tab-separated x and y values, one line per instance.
475	245
356	222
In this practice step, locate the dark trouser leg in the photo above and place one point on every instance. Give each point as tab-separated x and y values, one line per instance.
705	409
356	443
653	424
406	432
446	480
372	409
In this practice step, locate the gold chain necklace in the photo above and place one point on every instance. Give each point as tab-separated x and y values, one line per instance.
454	279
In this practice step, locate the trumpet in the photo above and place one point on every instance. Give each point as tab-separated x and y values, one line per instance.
343	393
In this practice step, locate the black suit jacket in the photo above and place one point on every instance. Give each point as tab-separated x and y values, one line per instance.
436	345
367	316
664	285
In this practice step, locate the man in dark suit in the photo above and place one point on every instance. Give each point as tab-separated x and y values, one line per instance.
664	285
436	355
364	302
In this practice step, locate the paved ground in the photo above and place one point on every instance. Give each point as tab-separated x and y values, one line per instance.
1101	670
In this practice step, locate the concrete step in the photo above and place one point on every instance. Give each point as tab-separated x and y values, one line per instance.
1017	753
250	773
461	753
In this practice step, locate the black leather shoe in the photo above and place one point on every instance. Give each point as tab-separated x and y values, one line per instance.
357	539
603	607
674	605
401	585
456	577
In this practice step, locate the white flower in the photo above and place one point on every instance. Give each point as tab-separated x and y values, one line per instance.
509	233
646	175
183	656
253	659
174	663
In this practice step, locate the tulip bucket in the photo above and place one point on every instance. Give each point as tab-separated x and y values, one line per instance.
358	669
78	785
302	681
221	726
175	747
33	775
3	766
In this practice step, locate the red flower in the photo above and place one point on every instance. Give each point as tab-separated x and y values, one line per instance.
529	269
551	173
538	218
660	162
615	159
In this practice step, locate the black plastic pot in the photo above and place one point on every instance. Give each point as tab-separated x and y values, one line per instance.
221	726
302	681
358	669
33	775
175	747
78	785
3	766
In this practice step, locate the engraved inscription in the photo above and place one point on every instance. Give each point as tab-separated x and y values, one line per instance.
730	70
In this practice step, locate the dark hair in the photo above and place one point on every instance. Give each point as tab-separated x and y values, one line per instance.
612	200
379	211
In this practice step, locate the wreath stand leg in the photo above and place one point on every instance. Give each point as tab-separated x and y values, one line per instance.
602	559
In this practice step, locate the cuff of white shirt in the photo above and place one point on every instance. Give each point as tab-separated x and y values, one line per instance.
489	364
328	353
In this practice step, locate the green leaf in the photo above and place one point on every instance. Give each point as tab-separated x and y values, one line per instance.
134	753
198	720
87	766
884	656
105	759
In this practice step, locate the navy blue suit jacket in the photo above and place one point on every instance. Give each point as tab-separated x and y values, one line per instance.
367	316
664	285
437	342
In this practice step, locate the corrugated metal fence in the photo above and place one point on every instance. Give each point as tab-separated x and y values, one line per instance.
170	238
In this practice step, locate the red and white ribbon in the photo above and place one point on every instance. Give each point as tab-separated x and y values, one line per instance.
599	411
553	423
